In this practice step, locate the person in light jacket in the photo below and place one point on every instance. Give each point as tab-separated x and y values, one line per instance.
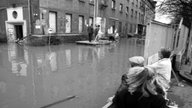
163	67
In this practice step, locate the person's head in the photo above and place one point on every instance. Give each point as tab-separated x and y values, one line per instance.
136	61
164	53
142	79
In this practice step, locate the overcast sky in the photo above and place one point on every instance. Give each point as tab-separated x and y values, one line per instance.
161	18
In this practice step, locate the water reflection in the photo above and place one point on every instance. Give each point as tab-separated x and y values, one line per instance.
1	58
52	59
68	57
52	73
3	87
92	53
18	56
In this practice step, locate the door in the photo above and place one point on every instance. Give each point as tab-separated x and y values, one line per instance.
81	21
68	23
52	21
19	32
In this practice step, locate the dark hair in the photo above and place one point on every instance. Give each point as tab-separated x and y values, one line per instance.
165	52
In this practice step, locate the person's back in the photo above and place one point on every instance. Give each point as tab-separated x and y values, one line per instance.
90	29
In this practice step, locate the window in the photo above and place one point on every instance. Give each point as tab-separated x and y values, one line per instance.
121	7
113	4
127	10
42	16
53	21
90	20
131	12
128	1
135	14
68	18
132	3
81	23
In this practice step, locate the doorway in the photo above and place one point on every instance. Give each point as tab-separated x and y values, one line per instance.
19	32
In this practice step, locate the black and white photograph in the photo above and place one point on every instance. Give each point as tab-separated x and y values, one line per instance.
95	53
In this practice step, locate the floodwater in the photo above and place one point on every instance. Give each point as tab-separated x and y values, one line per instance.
34	77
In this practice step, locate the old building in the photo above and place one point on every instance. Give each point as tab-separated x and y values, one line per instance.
19	18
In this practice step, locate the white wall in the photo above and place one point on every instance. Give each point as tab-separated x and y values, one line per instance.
158	35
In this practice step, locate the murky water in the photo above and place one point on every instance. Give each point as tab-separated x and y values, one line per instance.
33	77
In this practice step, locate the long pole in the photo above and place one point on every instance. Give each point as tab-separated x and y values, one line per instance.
94	14
29	13
97	8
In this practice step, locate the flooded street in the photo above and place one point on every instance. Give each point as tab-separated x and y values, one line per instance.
33	77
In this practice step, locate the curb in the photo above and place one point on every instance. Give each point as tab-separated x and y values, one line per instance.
186	76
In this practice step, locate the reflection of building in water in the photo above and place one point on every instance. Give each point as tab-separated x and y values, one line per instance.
23	71
1	58
52	57
83	54
80	54
54	92
19	68
22	91
18	58
11	51
14	67
26	56
68	57
39	62
3	87
90	54
100	52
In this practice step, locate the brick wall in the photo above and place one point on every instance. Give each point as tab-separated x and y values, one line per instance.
3	18
8	3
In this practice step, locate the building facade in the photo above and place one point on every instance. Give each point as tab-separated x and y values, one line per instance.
20	18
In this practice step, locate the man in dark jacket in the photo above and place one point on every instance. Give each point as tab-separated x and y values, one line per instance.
90	32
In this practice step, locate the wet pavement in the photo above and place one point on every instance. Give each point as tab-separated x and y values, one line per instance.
182	95
62	76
